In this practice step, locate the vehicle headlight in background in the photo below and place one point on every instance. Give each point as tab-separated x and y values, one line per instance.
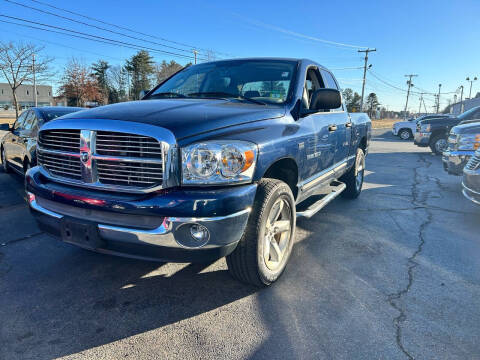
469	142
218	162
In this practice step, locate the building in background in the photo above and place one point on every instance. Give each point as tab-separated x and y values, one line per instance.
25	96
467	105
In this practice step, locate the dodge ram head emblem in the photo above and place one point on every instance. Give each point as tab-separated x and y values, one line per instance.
84	156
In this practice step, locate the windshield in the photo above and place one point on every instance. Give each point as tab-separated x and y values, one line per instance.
53	114
264	81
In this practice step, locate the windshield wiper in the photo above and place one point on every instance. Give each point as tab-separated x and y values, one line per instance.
220	94
166	95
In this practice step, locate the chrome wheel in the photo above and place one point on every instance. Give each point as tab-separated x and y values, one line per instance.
278	233
359	171
440	145
404	135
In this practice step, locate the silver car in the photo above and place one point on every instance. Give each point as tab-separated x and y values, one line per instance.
471	178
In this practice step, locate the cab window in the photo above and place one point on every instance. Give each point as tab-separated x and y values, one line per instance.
330	83
28	123
313	82
20	121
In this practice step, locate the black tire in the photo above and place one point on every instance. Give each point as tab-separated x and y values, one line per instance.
405	134
251	262
438	144
354	177
5	166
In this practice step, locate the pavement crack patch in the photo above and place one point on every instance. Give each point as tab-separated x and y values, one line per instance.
27	237
394	299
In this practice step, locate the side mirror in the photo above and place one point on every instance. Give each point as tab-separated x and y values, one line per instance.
325	99
143	93
5	127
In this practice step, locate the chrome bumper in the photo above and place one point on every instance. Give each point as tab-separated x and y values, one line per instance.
473	196
173	233
455	161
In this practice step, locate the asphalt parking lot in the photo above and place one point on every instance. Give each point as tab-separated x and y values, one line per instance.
394	274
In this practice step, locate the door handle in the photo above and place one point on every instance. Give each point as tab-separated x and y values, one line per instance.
332	128
348	124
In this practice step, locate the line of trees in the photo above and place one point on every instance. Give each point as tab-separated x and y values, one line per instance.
104	83
353	102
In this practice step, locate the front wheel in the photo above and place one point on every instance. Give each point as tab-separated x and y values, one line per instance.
404	134
438	144
265	247
354	177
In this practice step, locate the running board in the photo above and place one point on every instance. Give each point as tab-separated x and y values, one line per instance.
306	209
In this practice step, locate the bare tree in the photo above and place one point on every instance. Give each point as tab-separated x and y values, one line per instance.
117	78
16	65
79	84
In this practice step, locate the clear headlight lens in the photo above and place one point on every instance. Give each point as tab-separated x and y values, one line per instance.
218	162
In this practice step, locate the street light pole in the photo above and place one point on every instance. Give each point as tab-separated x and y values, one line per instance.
461	99
364	73
471	83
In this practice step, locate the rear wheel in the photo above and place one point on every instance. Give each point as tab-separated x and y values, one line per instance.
405	134
354	177
263	252
5	166
438	144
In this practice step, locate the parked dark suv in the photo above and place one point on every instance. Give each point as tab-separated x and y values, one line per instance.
434	132
18	146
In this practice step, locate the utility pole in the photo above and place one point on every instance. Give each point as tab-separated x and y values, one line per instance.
34	82
364	73
195	52
420	106
461	99
471	83
409	83
438	98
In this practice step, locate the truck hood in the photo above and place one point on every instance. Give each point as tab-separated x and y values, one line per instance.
472	128
183	117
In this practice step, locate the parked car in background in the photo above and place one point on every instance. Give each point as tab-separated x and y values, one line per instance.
18	146
406	129
463	140
471	178
434	132
218	160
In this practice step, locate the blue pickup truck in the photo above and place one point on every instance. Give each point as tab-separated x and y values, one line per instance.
218	160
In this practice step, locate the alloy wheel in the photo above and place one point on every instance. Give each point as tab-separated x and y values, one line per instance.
440	145
359	171
278	233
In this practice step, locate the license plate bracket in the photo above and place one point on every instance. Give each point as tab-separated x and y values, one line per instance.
81	233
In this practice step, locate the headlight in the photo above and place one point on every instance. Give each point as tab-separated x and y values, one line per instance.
469	142
425	128
218	162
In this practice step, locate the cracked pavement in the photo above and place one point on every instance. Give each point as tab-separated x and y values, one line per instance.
392	275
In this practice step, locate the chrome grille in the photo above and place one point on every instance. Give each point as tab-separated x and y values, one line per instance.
129	173
60	140
102	159
130	145
474	162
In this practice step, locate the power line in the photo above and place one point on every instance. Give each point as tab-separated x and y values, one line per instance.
125	28
87	36
97	27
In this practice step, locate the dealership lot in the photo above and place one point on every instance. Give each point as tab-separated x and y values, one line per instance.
395	274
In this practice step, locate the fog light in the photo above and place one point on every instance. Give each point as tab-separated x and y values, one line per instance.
199	233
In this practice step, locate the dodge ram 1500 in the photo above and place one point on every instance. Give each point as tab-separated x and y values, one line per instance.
218	160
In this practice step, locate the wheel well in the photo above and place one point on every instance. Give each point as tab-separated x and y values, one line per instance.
363	144
285	170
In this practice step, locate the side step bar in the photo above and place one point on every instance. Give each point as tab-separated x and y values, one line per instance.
336	188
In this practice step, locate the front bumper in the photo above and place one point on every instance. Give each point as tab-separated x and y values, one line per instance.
157	225
471	185
455	161
422	139
394	132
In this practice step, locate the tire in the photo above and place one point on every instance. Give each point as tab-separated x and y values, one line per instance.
5	166
438	144
354	177
404	134
256	260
